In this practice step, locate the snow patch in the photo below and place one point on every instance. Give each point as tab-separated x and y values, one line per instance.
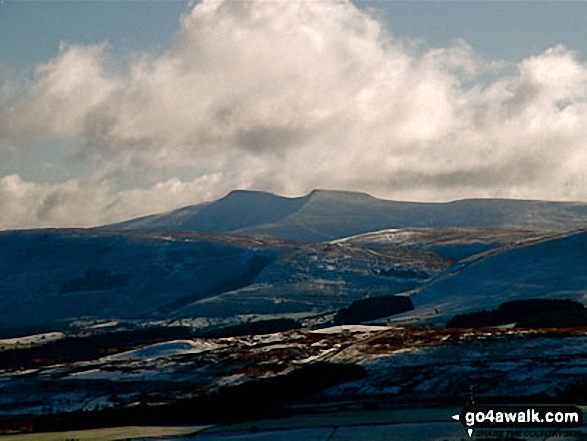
352	329
33	339
166	349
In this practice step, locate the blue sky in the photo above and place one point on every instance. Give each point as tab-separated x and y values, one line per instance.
116	109
30	31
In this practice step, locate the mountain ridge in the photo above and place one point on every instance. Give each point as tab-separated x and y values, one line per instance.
324	215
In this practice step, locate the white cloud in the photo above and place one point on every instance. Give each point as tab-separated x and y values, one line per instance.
287	97
90	203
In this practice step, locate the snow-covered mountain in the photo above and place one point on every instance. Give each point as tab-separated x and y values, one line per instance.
324	215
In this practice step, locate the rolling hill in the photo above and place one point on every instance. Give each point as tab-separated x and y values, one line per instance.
52	275
550	269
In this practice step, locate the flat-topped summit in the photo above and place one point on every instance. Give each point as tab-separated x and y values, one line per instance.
338	194
324	215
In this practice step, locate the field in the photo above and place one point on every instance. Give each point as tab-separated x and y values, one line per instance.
426	424
109	434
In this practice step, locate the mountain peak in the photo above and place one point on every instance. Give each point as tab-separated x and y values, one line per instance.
321	194
338	194
247	193
323	215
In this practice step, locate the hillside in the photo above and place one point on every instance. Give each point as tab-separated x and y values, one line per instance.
456	243
52	275
173	320
549	269
324	215
237	210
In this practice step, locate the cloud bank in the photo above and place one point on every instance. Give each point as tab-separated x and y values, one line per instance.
287	97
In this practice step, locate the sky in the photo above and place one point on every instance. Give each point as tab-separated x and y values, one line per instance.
111	110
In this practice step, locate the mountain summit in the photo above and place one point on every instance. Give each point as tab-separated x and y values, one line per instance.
324	215
237	210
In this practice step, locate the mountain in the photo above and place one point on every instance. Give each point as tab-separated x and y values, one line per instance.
258	254
152	318
238	210
325	215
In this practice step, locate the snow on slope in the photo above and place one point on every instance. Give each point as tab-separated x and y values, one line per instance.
32	339
552	268
456	243
352	329
165	349
504	363
49	275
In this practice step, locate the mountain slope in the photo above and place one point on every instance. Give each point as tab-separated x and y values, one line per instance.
238	209
455	243
50	275
327	215
550	268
